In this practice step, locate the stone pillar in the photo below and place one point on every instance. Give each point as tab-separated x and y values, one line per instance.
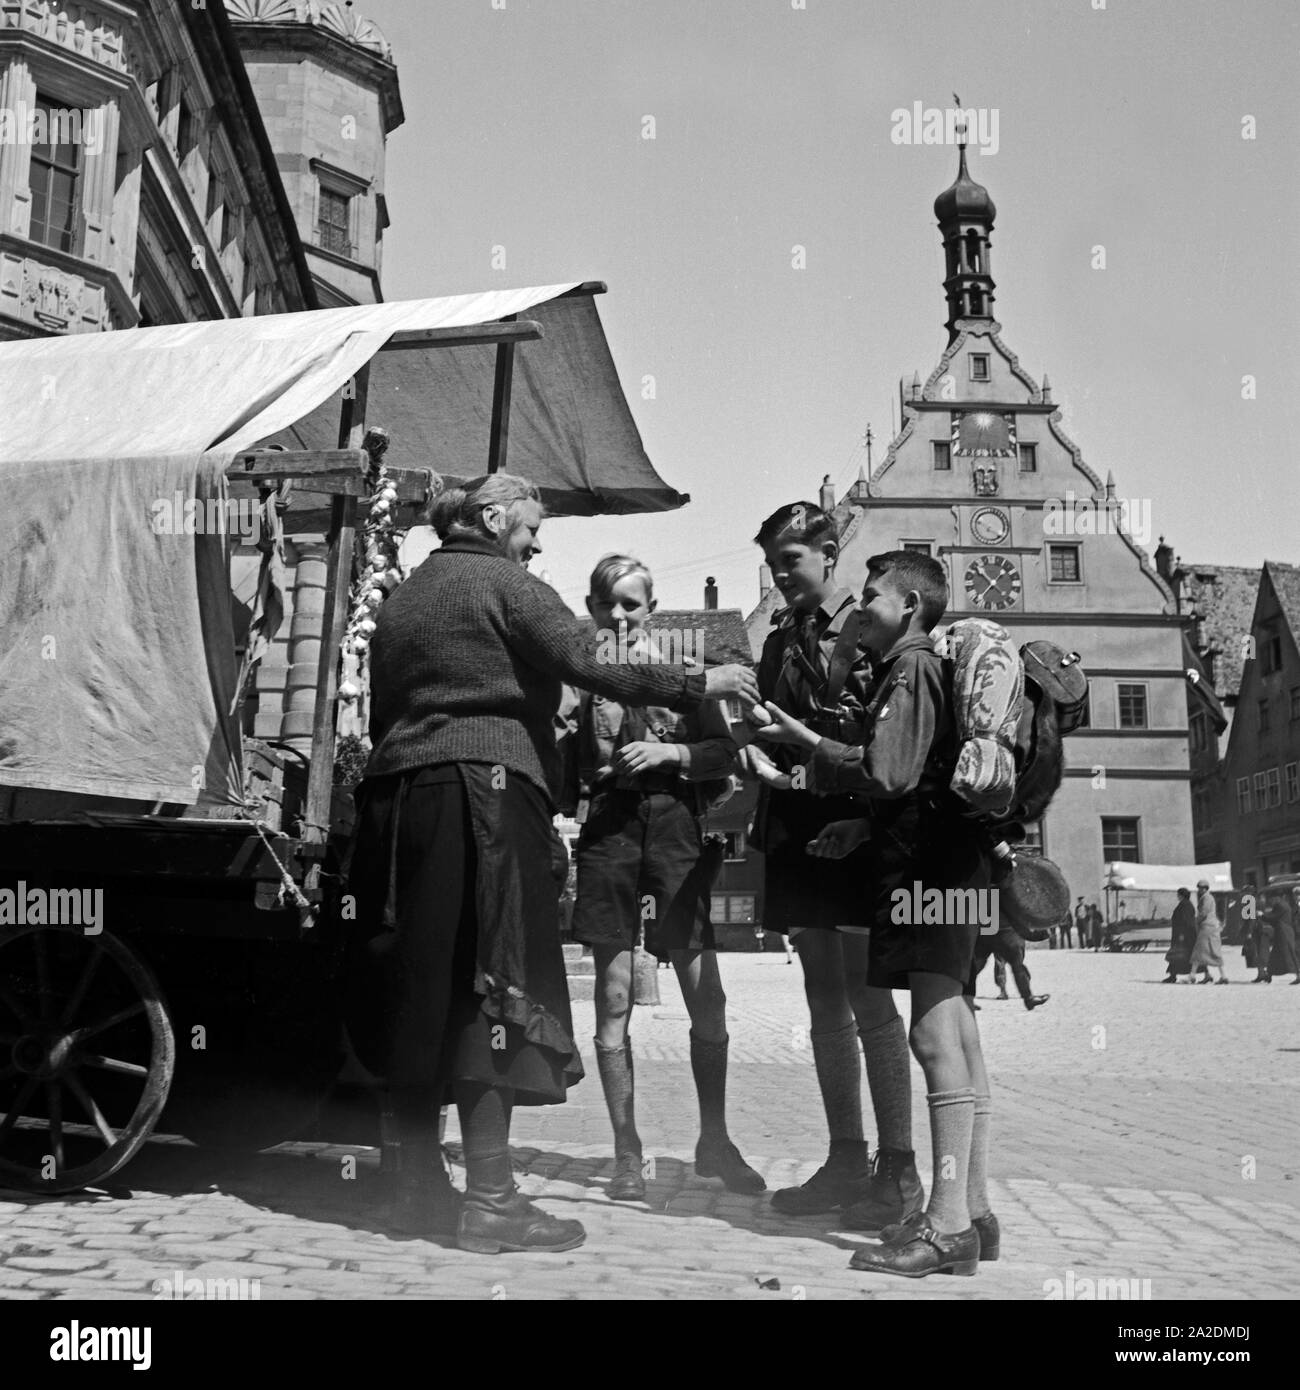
18	97
99	169
304	644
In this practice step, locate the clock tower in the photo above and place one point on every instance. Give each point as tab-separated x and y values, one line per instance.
982	476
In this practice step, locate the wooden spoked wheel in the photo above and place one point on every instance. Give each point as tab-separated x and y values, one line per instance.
86	1057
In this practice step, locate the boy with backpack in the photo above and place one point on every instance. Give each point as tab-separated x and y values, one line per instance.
814	666
916	833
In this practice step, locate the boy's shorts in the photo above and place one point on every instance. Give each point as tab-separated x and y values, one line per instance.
801	892
637	845
950	857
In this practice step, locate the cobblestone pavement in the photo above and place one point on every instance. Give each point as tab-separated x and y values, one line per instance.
1142	1132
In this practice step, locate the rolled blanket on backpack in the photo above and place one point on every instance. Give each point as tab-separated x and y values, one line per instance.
988	699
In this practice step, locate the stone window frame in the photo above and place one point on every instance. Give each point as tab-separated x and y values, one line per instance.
1077	547
985	359
1243	796
1126	689
1292	774
69	82
1136	823
348	185
940	448
78	172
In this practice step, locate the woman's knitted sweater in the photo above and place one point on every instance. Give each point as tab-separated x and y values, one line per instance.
467	662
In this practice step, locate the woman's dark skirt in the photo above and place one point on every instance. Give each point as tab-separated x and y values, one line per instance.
456	971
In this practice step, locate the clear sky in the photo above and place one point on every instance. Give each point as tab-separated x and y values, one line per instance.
1118	126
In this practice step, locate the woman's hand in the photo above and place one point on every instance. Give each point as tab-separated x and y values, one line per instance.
757	764
720	682
783	728
839	839
634	758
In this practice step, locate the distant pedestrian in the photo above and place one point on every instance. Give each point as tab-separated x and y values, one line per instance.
1286	959
1007	948
1095	925
1081	921
1208	950
1182	938
1271	907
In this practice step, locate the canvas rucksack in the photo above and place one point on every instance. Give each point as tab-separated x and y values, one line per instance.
1012	708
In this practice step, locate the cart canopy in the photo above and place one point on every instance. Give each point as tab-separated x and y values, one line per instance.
117	654
1155	878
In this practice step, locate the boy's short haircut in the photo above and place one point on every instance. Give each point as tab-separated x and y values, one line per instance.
912	569
610	569
804	523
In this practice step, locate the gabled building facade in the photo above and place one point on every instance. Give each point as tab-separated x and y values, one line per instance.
1219	601
982	476
1261	768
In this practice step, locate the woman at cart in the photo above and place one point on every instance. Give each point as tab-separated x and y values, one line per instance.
460	978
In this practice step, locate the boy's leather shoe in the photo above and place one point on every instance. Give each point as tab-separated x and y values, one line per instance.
627	1184
843	1179
721	1159
1036	1000
986	1227
491	1222
893	1193
917	1249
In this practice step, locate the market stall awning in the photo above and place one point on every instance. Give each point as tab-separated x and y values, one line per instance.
116	644
570	429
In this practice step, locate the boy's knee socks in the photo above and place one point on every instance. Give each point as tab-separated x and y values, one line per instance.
709	1067
952	1120
977	1195
839	1075
889	1076
616	1080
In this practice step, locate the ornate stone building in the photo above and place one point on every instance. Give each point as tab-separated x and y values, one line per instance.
137	185
982	476
163	161
327	89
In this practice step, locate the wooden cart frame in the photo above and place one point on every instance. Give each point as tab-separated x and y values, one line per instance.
88	1038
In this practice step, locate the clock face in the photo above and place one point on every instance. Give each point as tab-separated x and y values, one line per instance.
992	581
990	526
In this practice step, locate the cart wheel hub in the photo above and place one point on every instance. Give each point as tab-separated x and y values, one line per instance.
42	1057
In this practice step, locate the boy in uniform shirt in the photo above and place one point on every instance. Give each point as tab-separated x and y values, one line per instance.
636	776
915	833
813	665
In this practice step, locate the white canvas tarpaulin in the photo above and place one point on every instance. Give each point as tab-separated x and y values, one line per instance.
117	661
1167	878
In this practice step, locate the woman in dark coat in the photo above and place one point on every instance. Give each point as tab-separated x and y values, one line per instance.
458	973
1182	938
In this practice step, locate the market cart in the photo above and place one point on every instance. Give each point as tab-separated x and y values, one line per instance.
171	918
